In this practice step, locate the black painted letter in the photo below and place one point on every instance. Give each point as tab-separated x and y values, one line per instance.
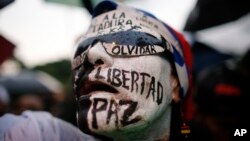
98	109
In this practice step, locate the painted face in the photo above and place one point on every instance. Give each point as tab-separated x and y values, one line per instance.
122	85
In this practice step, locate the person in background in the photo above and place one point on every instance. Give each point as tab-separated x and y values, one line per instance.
221	99
32	90
131	76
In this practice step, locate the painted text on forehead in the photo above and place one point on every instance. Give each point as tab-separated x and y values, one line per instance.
122	44
132	38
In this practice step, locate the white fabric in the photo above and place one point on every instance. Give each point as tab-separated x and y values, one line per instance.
38	126
232	38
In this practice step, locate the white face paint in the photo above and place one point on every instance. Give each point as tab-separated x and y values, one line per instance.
122	84
129	92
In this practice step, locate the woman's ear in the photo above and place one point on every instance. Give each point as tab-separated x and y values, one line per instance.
174	83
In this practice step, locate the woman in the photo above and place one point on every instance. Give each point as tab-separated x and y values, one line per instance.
131	73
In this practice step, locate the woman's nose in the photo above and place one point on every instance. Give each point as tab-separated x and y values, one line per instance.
98	56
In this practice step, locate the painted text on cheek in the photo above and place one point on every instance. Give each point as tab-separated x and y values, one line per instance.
111	107
134	82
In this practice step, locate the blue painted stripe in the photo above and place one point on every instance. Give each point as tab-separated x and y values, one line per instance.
177	57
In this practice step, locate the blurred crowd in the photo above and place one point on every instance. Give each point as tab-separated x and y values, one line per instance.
221	70
34	89
218	32
42	88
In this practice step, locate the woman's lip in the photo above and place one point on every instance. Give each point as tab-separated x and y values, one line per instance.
88	87
87	97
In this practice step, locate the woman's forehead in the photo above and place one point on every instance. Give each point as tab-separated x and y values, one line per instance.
124	37
132	38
